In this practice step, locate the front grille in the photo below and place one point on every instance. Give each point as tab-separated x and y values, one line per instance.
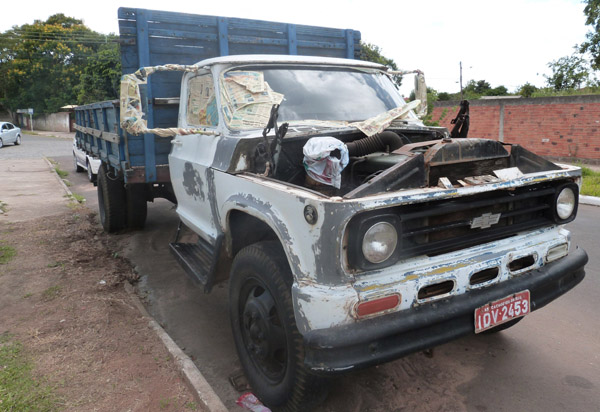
449	225
445	226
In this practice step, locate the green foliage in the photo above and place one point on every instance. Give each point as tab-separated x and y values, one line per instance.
61	172
41	64
6	253
479	87
569	72
19	390
101	76
476	89
550	92
444	96
372	53
527	90
592	45
591	182
432	96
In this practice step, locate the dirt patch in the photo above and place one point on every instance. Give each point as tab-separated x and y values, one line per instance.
62	297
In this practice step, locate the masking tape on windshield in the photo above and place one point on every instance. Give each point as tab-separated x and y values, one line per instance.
380	122
132	117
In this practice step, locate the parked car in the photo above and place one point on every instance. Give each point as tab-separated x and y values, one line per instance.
85	162
9	133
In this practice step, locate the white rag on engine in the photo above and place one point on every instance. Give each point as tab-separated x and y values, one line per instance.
319	163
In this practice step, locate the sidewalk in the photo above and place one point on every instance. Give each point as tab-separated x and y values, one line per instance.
63	299
30	189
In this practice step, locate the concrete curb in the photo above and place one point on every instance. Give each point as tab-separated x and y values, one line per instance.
49	134
62	183
589	200
206	396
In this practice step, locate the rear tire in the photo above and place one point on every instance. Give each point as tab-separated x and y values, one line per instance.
111	201
18	141
137	206
1	144
267	340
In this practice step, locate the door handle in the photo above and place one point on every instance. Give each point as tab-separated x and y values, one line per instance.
176	142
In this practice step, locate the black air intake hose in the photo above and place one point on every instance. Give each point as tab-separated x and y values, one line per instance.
376	143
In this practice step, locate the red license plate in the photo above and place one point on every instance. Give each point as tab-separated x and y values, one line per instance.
502	311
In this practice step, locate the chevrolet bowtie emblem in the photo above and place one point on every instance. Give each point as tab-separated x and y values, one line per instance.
484	221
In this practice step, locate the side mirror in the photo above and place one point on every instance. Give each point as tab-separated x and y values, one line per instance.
421	93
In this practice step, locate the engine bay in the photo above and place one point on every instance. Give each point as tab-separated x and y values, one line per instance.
401	158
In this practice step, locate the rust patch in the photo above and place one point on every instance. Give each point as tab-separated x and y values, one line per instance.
192	182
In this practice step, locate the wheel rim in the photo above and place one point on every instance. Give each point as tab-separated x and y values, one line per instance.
262	331
89	172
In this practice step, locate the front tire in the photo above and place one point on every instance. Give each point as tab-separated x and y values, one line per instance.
111	201
76	166
268	343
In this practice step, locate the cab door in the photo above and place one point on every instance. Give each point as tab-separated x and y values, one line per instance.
192	155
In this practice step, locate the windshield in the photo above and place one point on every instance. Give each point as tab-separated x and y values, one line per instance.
304	94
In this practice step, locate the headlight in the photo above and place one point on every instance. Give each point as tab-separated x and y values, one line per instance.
379	242
565	203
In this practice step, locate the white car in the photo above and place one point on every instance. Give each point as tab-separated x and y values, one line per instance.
82	162
9	133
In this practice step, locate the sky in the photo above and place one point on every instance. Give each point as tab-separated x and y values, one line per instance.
507	42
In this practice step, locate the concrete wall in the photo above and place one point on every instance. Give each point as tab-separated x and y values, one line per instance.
55	122
564	128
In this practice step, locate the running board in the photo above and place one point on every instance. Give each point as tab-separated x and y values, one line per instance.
199	260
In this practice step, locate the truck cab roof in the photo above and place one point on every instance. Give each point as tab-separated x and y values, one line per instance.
276	58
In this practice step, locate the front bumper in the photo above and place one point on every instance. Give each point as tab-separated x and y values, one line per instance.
382	339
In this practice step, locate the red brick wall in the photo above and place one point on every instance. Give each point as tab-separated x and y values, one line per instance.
557	127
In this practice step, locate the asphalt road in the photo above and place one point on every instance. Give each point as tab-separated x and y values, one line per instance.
548	362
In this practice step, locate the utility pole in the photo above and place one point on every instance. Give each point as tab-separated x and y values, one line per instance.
461	89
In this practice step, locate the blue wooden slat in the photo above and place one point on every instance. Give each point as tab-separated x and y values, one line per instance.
322	45
223	36
292	39
238	48
182	35
349	44
179	18
257	25
257	40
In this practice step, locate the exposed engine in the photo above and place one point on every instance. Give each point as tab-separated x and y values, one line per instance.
402	158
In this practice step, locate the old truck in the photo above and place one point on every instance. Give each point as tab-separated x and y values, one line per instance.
350	233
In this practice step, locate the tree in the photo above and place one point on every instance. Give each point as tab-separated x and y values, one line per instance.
100	79
568	72
444	96
479	87
372	53
41	63
527	90
592	45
